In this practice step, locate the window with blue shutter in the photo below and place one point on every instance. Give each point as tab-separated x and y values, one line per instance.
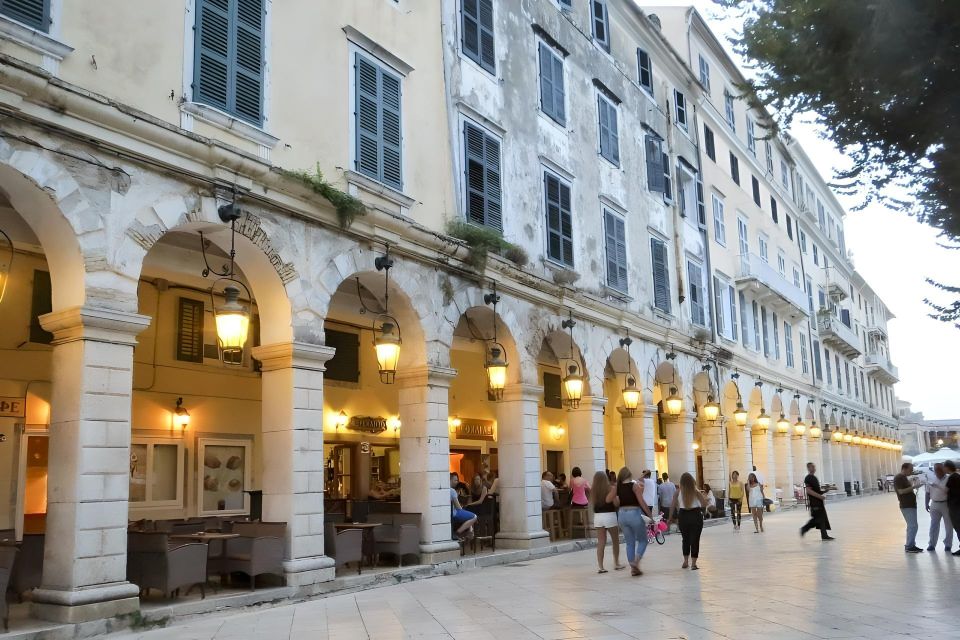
680	103
33	13
773	210
601	23
804	359
552	96
751	137
719	317
756	325
228	57
730	113
645	67
705	73
732	294
744	320
482	177
478	41
788	343
609	134
559	220
826	365
378	136
766	334
776	336
661	275
655	169
701	209
734	168
756	189
616	250
697	302
709	143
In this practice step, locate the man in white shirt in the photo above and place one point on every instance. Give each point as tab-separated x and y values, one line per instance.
935	500
548	491
649	489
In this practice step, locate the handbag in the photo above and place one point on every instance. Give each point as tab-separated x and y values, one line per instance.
767	502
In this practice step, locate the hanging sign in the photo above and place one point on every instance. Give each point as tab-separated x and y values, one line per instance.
12	407
475	430
368	424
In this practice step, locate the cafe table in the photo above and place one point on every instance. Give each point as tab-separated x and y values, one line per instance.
367	528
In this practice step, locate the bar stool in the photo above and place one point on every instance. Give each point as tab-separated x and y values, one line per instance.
579	519
553	523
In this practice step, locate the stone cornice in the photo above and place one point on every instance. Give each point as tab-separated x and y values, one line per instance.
94	323
425	376
296	355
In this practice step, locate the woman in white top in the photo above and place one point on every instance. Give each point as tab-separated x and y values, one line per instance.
755	498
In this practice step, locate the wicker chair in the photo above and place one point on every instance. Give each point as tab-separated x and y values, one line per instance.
7	557
406	542
344	546
152	564
258	550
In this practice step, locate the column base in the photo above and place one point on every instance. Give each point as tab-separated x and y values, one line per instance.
437	552
523	539
304	572
84	605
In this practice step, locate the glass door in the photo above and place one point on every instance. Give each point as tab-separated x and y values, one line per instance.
32	503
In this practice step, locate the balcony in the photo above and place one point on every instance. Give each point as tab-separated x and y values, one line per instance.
879	366
770	288
837	335
878	331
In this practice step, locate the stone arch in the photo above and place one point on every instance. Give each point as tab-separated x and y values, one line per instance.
701	389
795	411
620	365
476	323
555	345
663	374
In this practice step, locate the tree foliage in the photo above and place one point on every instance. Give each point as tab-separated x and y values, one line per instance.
883	80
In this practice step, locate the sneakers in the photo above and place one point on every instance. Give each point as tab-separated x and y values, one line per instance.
933	549
913	550
957	552
827	538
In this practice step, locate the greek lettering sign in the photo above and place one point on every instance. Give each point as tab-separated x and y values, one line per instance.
475	430
12	407
368	424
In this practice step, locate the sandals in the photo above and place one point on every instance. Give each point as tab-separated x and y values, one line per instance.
602	571
619	567
635	571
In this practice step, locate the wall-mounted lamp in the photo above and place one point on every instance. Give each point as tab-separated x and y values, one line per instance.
557	431
342	420
181	417
393	422
695	445
454	423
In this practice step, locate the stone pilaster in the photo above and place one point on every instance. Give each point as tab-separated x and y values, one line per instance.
425	457
738	449
846	456
817	453
680	455
783	466
85	556
836	450
638	439
518	448
763	459
293	463
712	452
586	436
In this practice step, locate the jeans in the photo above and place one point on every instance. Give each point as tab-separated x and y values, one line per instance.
634	533
691	526
938	512
910	517
735	511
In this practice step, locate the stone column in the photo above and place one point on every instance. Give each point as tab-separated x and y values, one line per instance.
783	467
293	463
763	459
857	464
518	447
425	457
836	451
586	436
847	457
712	451
738	449
638	439
85	556
798	449
818	453
680	455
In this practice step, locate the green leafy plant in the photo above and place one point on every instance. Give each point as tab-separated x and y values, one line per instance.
481	241
347	206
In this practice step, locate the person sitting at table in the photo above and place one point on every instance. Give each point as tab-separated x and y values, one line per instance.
711	508
478	493
379	491
493	487
561	481
461	519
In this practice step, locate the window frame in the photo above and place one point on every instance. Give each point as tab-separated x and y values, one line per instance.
490	68
735	168
469	122
247	444
384	67
151	443
704	72
544	46
751	137
730	112
667	306
563	183
709	143
611	155
604	43
610	213
719	223
641	55
695	290
680	109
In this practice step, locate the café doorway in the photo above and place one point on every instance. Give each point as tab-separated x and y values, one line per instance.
32	497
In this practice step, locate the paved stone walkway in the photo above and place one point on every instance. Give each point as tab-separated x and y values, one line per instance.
751	587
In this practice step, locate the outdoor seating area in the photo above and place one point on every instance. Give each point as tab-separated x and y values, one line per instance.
366	534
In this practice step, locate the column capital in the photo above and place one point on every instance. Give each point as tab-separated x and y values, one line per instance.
298	355
641	412
94	323
425	375
588	403
522	391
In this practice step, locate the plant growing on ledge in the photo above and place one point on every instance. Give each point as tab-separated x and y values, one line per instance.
347	206
481	241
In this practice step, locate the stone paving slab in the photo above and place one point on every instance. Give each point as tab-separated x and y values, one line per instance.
766	586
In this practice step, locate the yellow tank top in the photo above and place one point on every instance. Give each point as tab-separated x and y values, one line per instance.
736	491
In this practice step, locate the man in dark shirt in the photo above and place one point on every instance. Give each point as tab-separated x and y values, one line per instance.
905	484
953	497
815	498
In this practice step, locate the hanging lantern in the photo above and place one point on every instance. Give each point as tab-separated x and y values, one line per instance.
799	428
711	410
496	367
783	425
387	346
815	431
740	415
181	417
837	436
631	396
6	262
763	420
847	438
573	385
674	403
856	439
233	323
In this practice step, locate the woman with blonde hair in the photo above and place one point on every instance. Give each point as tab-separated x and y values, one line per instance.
688	503
631	510
603	497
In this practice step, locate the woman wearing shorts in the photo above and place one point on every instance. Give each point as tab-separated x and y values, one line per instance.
605	518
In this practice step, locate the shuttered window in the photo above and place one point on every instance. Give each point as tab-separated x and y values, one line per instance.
701	209
681	108
789	227
552	96
616	250
609	132
190	330
709	143
477	27
734	168
804	359
730	113
378	144
551	391
697	302
661	275
559	219
656	180
33	13
482	177
732	294
756	189
719	222
788	343
601	23
776	336
720	317
41	303
751	137
705	73
744	320
645	70
773	210
228	58
763	327
345	364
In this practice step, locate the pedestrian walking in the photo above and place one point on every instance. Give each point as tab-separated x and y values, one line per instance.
906	484
604	498
630	515
666	491
735	496
688	505
935	502
953	497
816	504
755	501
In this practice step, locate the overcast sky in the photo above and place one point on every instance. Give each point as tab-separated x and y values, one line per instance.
895	254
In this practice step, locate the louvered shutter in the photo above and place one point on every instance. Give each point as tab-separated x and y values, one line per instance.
41	303
655	177
190	330
667	186
212	82
482	177
552	397
470	16
614	134
776	337
601	27
33	13
390	122
566	225
661	277
733	310
604	127
546	80
487	41
477	27
378	118
695	279
559	221
744	320
248	70
559	101
718	307
616	251
701	209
